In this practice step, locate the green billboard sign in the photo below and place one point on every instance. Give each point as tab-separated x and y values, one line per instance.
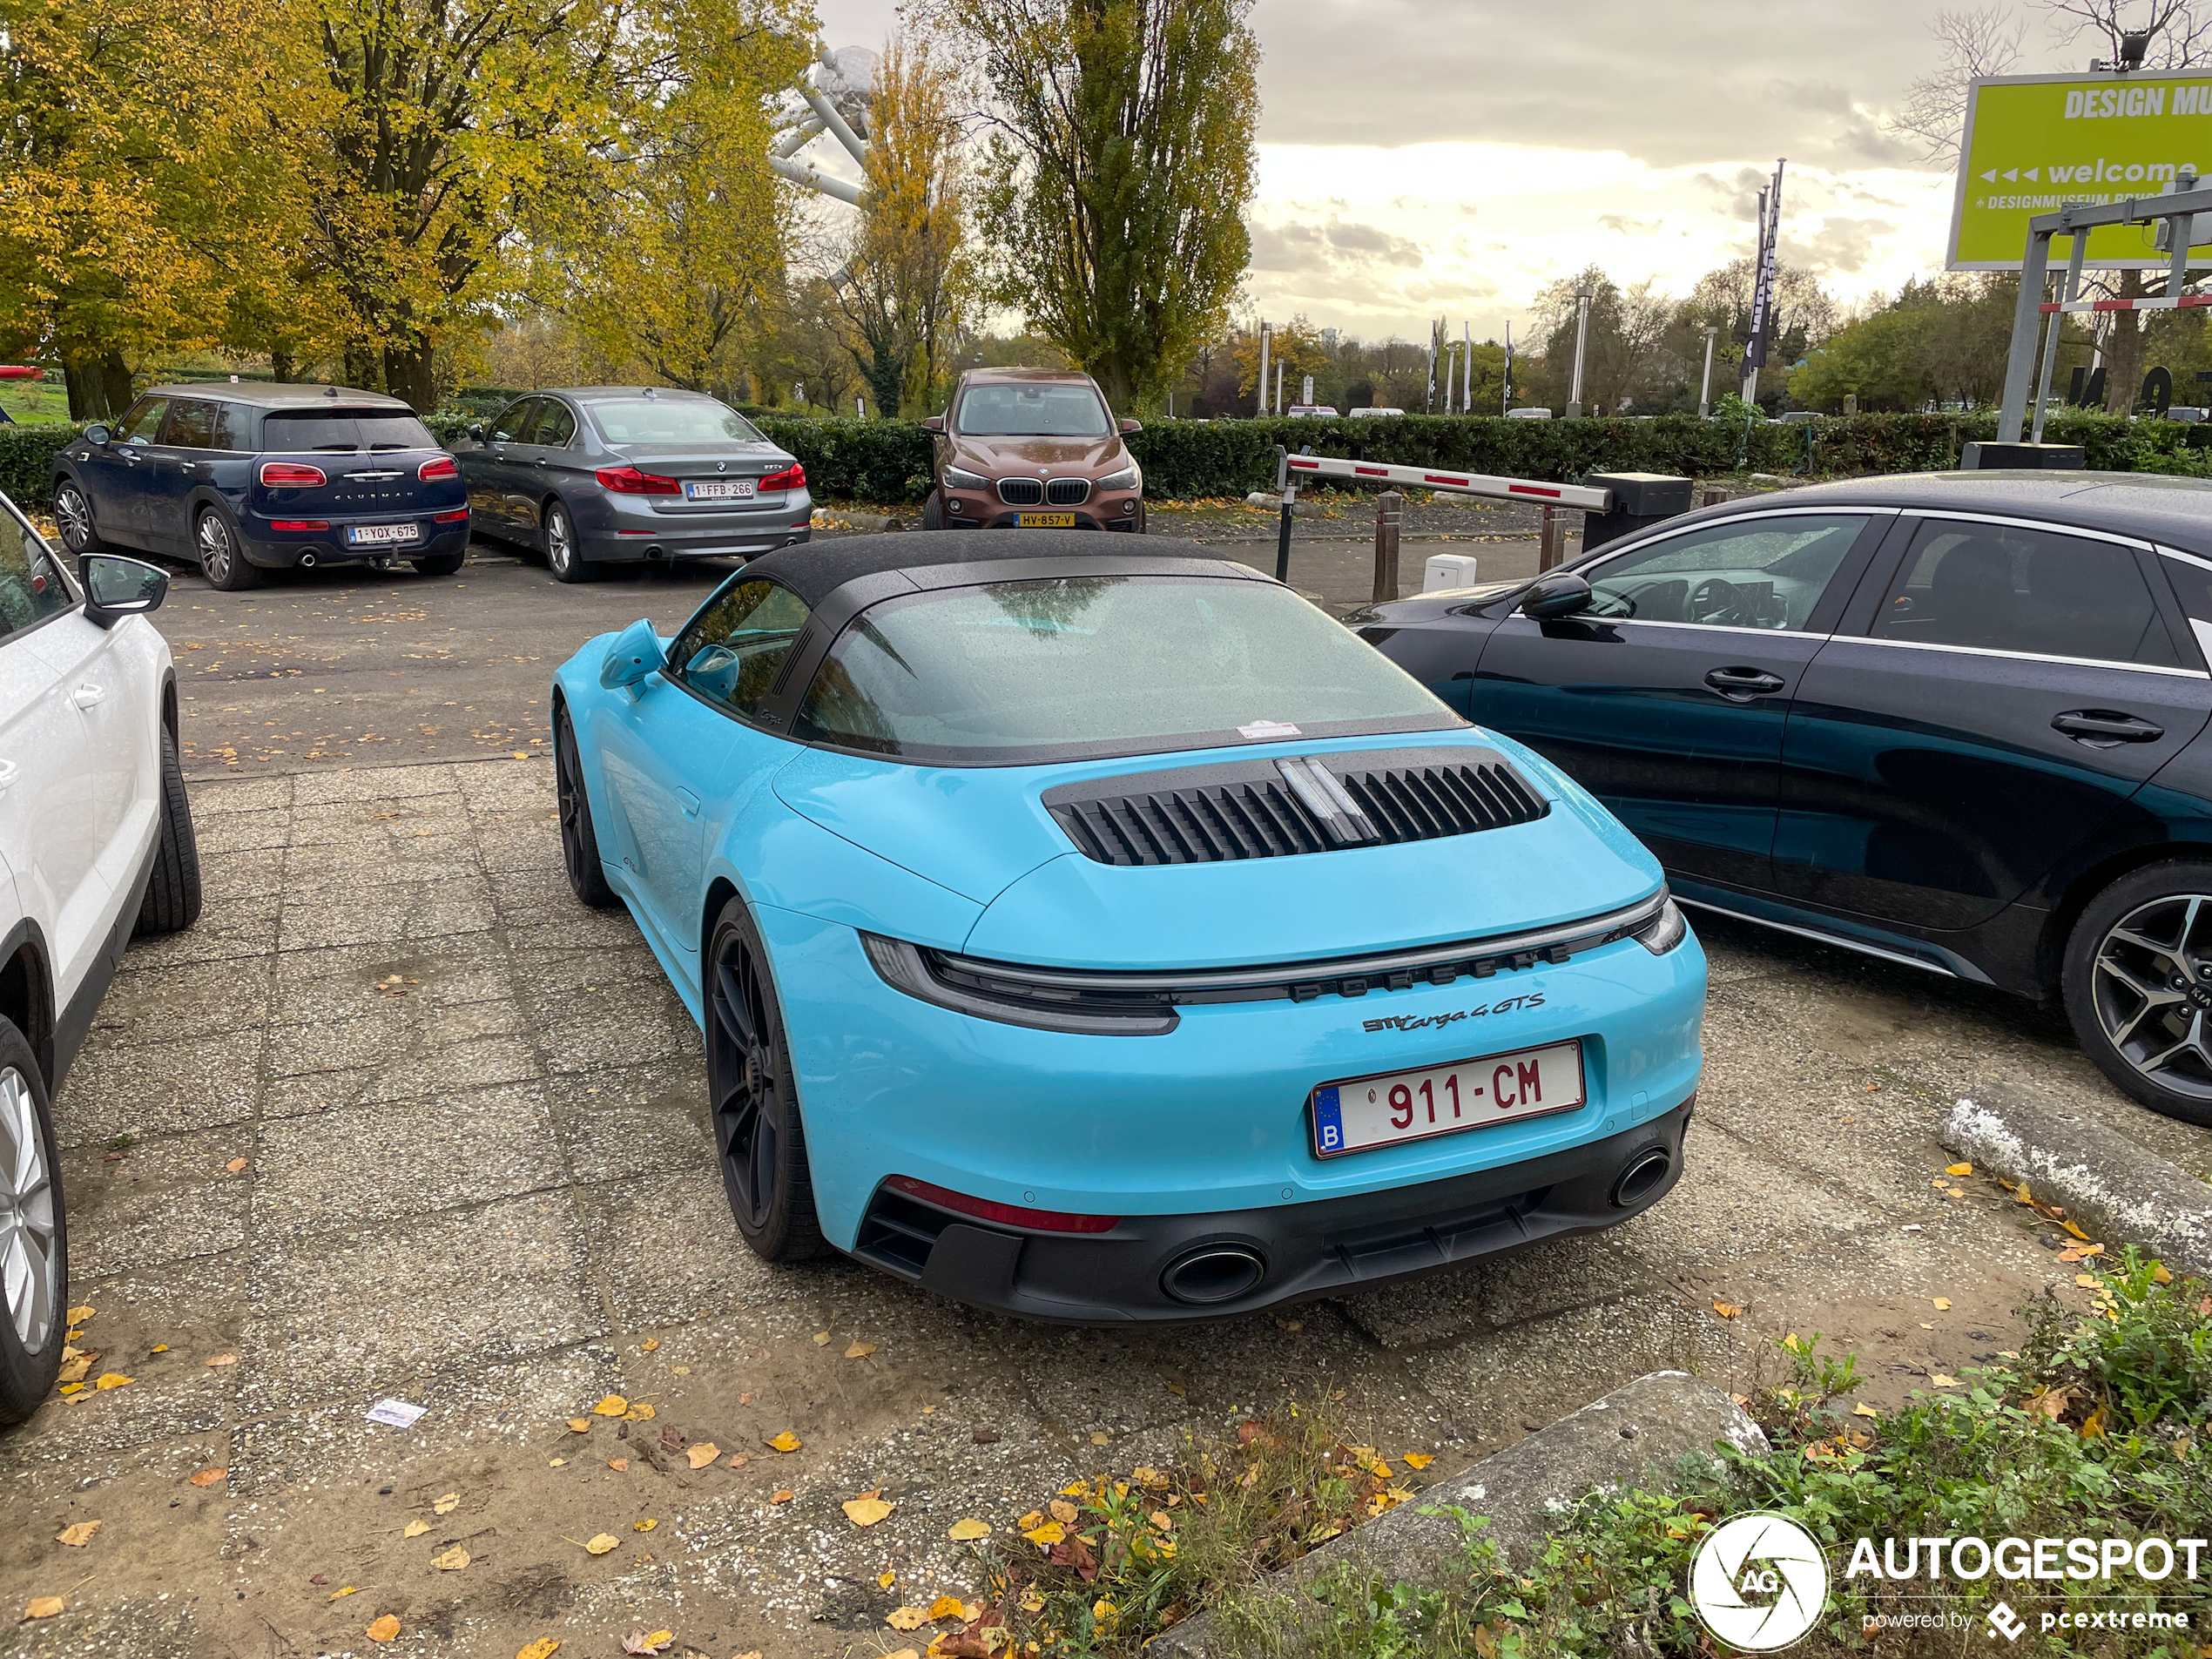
2034	143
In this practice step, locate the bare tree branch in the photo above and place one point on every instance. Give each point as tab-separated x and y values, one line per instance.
1975	45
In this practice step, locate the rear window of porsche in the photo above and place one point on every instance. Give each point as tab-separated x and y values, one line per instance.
1021	672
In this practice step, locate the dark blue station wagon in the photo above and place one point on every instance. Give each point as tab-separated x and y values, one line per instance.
246	478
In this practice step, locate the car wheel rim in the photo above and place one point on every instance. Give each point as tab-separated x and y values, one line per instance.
569	795
74	514
2151	985
557	552
214	548
28	1260
743	1069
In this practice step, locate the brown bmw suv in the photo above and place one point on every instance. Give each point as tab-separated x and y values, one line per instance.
1036	449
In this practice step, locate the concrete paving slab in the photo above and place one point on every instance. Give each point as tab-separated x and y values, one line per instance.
166	1199
634	1122
157	1088
162	1005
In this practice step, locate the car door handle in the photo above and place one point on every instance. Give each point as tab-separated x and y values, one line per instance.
1743	682
2101	728
689	802
9	772
85	694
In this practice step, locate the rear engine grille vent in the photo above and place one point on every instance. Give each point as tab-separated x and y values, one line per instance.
1067	492
1020	492
1308	804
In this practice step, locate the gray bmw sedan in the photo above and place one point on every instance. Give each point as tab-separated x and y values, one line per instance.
592	475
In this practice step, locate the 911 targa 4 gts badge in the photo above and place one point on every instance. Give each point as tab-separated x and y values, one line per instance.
1416	1021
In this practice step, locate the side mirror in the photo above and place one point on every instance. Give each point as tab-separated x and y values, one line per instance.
1560	594
636	652
477	432
98	435
116	588
1128	425
933	423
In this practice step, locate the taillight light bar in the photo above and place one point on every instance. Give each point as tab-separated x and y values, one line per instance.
1011	1215
792	478
299	523
629	480
291	474
454	517
438	467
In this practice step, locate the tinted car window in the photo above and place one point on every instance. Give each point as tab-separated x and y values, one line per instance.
1764	573
233	426
143	421
2192	580
31	588
733	649
1018	673
661	420
514	420
190	424
1032	409
1998	587
342	431
555	425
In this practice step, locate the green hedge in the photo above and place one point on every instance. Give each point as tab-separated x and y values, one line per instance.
27	460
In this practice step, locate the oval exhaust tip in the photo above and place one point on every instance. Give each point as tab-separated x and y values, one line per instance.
1213	1273
1641	1176
306	560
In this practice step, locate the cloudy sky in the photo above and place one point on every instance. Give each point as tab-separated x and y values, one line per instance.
1427	157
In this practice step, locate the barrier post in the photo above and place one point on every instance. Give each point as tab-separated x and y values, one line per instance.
1551	542
1389	506
1288	491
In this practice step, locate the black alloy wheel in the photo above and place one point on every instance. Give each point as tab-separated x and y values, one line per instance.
579	841
73	515
754	1098
220	561
2138	984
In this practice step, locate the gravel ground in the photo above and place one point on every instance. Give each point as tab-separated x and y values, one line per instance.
476	1177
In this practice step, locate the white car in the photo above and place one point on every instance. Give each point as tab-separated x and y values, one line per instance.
96	843
1375	411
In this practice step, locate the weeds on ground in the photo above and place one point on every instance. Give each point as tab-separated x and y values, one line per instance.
2097	1432
1109	1562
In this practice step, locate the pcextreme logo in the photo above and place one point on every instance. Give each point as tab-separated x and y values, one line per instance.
1758	1582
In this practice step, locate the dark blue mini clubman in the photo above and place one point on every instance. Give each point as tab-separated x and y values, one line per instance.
247	477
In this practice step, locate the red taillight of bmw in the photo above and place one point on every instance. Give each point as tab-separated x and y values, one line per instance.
792	478
438	467
628	481
291	474
1012	1215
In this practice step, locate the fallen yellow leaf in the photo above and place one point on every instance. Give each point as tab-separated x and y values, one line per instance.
544	1648
1727	1310
1046	1536
446	1505
2086	1281
782	1494
1417	1460
1097	1439
649	1344
452	1562
1958	1168
865	1512
612	1405
968	1532
415	1529
2069	1226
1943	1303
906	1618
78	1315
1942	1381
110	1379
579	1425
619	1464
600	1544
860	1350
702	1454
639	1411
77	1536
1864	1410
384	1630
2094	1425
1062	1511
44	1607
646	1525
342	1590
1033	1600
77	1369
786	1441
886	1579
2159	1275
821	1338
222	1359
235	1165
948	1607
158	1348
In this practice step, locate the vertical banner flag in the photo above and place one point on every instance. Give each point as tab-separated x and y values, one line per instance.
1763	281
1507	402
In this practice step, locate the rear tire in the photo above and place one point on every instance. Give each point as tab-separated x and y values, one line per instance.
579	842
933	512
754	1098
221	560
34	1234
2137	979
73	515
172	893
562	558
441	563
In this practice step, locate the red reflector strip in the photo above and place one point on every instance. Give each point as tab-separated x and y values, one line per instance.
299	523
637	532
1309	466
1012	1215
449	518
1442	478
1373	472
1532	489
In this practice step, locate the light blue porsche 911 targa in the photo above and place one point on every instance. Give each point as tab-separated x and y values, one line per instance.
1111	936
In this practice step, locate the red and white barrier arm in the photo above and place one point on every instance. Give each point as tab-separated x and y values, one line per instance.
1581	496
2186	302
